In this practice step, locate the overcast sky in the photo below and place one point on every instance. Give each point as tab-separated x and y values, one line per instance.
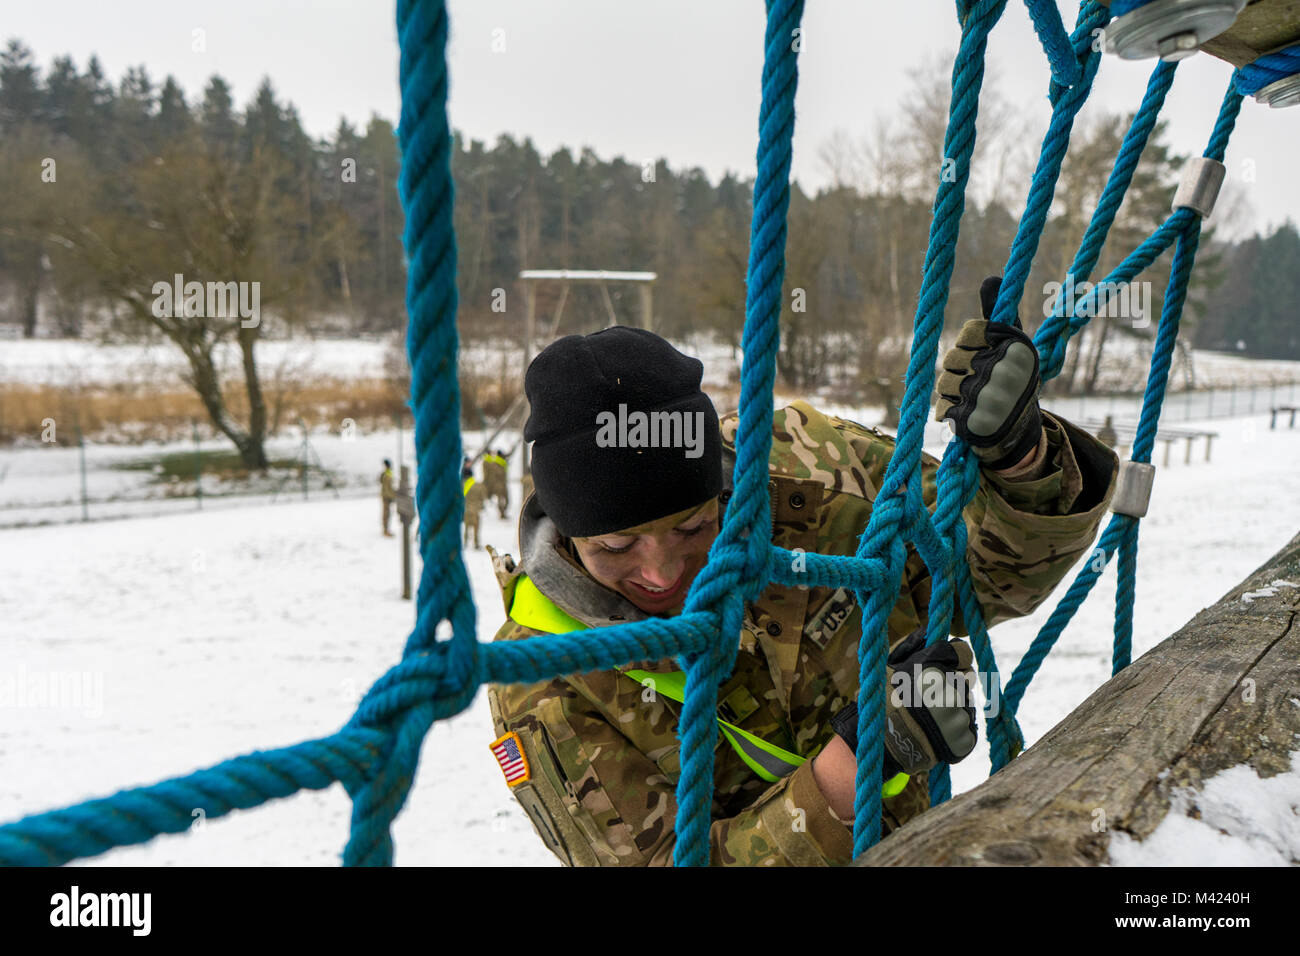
677	79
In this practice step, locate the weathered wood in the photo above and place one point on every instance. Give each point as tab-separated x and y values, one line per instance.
1220	692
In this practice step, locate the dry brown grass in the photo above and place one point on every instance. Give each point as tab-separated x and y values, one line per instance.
136	413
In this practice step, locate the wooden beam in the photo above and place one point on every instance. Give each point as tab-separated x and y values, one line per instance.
1219	693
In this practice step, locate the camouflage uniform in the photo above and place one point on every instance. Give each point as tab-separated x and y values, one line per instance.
603	750
475	497
526	486
1106	434
494	480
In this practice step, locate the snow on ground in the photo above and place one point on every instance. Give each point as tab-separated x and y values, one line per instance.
209	634
206	635
1244	820
70	362
41	484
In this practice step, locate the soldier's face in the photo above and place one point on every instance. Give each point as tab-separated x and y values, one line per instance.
653	564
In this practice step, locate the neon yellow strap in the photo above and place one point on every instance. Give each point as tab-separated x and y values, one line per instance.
469	483
533	609
894	785
767	760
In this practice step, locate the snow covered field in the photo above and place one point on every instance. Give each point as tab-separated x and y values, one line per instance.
193	637
83	362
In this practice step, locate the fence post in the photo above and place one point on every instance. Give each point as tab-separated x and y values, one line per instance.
397	417
81	445
406	512
198	467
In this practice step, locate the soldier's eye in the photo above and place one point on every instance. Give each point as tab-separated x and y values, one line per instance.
696	530
612	550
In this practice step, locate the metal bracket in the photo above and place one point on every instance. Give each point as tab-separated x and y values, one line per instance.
1169	29
1133	488
1280	93
1199	188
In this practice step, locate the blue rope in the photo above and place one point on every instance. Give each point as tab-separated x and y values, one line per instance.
375	756
1270	68
743	548
900	490
1051	34
1183	227
1120	7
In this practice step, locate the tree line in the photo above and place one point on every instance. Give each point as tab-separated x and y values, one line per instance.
107	189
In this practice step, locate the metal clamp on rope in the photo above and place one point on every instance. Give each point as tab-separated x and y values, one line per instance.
1280	93
1169	29
1133	488
1202	178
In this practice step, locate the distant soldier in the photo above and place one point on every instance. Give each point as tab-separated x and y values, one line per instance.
1106	434
387	494
494	478
475	496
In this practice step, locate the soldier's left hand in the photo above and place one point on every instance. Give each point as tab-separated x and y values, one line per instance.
929	717
989	387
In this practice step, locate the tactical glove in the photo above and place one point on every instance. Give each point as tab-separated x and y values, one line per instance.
928	714
989	387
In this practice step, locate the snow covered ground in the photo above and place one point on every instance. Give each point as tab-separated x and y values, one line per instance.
82	362
191	637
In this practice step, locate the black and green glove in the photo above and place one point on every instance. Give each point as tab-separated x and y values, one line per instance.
928	714
989	387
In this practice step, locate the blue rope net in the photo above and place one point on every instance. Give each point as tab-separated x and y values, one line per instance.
375	756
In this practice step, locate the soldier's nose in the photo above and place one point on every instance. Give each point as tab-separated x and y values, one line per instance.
662	566
663	576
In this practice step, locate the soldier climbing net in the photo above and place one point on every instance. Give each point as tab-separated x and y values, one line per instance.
376	754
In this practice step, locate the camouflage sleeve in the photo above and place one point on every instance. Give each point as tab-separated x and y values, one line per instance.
1025	533
598	799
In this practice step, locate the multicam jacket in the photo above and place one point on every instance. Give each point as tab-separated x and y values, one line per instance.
602	750
494	474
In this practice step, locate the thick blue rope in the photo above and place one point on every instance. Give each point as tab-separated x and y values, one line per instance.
1120	7
1056	44
1184	227
1270	68
957	488
375	756
742	552
899	500
1053	335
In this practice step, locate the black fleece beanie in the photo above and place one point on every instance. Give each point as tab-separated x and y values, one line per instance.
622	434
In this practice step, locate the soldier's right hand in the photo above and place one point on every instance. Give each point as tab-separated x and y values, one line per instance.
928	712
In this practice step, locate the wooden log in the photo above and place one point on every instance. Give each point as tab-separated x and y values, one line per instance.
1220	692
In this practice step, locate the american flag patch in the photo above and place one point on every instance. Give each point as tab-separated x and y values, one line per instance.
510	754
